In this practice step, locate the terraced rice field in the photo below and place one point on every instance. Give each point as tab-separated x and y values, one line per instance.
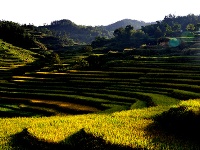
115	86
117	104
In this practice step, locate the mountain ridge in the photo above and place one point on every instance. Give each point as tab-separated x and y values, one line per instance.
86	34
124	22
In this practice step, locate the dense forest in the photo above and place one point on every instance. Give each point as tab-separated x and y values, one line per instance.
31	37
170	27
16	34
59	33
78	33
86	34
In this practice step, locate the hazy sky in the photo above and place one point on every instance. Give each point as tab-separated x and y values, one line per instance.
93	12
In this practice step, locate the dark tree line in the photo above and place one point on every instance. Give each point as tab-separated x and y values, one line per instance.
16	34
171	26
30	36
123	38
66	29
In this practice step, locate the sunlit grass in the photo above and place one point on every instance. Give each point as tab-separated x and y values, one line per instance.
19	80
125	128
138	105
191	103
15	52
52	73
162	100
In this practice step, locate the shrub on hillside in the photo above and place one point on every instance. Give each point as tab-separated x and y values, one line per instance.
183	120
86	49
80	64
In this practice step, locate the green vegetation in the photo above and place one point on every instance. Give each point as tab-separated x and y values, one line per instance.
18	35
120	107
78	98
171	35
77	33
182	120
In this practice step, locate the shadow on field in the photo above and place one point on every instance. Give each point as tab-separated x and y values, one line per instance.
36	65
176	124
8	110
25	107
25	113
80	141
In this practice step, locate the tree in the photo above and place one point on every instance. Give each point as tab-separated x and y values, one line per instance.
99	42
95	61
138	38
190	27
168	30
150	29
16	34
158	33
197	27
176	27
118	32
124	34
128	31
86	49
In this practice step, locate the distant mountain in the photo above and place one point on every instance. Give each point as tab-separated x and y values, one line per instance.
86	34
123	23
78	33
59	33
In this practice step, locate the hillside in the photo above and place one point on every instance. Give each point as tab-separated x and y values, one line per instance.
80	34
146	98
19	35
12	58
132	103
86	34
